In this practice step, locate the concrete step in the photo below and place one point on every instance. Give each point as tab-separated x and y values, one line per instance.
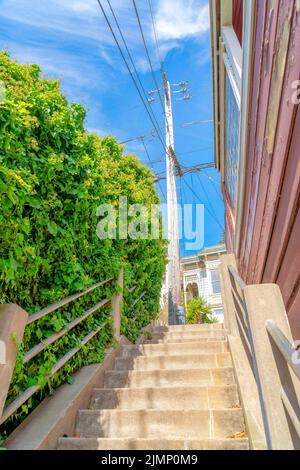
169	378
185	328
160	340
191	335
173	349
185	424
174	398
191	361
151	444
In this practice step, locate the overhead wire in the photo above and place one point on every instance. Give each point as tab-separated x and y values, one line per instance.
133	65
130	72
208	210
159	56
153	119
147	54
206	196
132	139
193	123
214	185
149	158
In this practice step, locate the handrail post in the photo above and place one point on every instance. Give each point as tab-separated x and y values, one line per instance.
117	301
264	302
13	320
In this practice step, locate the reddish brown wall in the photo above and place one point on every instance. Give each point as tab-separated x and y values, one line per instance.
270	241
237	18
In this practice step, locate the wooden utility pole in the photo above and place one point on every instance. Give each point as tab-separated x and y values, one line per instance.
173	277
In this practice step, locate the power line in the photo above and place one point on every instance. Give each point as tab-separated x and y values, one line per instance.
188	170
208	210
197	168
136	138
206	195
129	70
133	64
148	155
148	55
155	34
214	186
193	123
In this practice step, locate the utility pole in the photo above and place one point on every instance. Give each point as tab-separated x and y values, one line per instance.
172	284
173	278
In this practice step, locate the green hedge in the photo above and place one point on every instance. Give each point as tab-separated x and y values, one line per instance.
53	176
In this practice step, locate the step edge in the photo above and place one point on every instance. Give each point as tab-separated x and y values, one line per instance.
178	387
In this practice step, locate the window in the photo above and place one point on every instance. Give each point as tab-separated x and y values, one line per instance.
232	142
215	281
203	274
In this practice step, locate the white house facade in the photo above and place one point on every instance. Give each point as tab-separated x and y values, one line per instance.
201	278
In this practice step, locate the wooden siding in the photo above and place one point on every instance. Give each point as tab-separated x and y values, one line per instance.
229	221
270	248
237	19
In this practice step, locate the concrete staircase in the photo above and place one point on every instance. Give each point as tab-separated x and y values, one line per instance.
177	391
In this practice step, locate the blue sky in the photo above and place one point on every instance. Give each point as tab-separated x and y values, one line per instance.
70	39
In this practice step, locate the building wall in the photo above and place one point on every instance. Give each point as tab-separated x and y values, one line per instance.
263	227
197	280
237	18
270	235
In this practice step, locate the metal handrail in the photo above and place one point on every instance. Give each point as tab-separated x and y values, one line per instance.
284	346
240	303
51	339
52	308
266	424
295	419
236	277
138	299
12	407
131	289
287	351
245	332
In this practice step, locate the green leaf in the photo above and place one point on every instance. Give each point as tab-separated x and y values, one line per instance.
52	228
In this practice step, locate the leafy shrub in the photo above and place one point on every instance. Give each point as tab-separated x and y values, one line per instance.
53	176
199	311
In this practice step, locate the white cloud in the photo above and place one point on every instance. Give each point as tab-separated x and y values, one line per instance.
180	19
82	20
58	64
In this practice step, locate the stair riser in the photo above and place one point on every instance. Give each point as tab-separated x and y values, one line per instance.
159	340
173	349
186	328
166	398
152	444
204	361
168	378
190	335
174	424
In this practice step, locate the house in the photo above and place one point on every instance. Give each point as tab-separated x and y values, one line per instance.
256	69
201	278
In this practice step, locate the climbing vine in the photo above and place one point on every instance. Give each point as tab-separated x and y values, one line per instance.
53	176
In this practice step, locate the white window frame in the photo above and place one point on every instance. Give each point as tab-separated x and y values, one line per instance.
248	45
231	67
236	62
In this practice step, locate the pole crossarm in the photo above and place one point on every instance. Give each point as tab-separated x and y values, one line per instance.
188	170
